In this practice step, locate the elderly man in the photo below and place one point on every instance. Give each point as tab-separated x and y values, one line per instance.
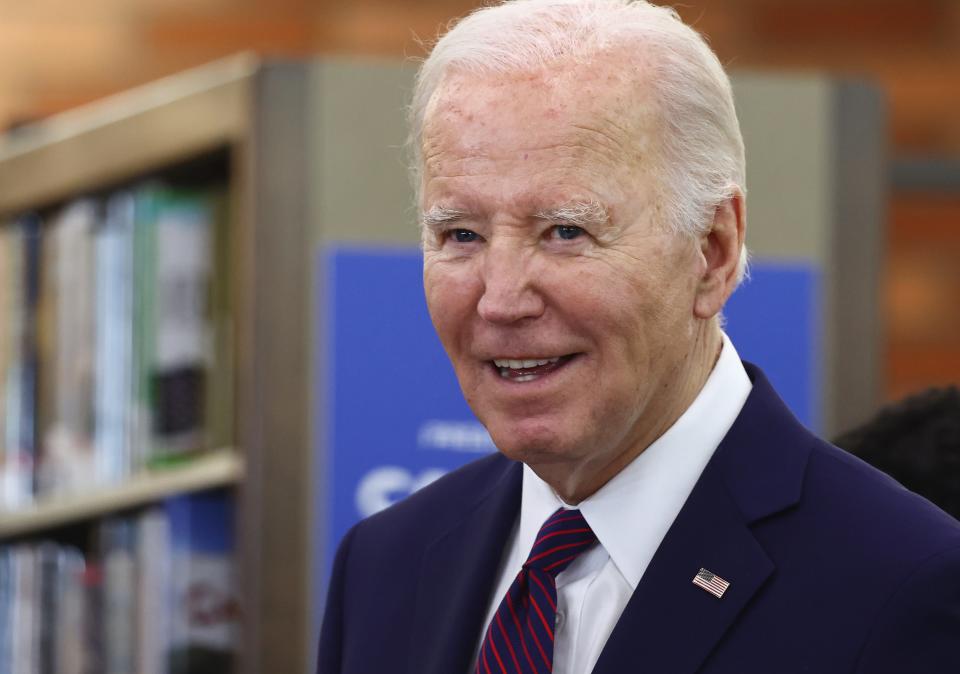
654	507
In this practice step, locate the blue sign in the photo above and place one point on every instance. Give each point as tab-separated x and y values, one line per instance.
394	418
774	319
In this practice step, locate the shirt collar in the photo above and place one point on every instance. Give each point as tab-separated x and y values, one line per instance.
633	511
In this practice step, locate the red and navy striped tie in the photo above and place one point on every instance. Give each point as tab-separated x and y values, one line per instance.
520	636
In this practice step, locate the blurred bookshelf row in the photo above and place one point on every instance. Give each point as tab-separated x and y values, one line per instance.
154	436
151	593
115	353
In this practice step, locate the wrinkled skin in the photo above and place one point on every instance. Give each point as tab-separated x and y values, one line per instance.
634	304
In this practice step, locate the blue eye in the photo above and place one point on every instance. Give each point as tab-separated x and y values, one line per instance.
463	235
568	232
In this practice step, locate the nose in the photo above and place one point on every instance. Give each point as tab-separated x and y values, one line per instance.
510	288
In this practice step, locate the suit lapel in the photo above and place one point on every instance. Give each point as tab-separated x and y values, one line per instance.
670	625
457	576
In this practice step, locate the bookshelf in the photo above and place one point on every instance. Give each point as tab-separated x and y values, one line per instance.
244	123
217	468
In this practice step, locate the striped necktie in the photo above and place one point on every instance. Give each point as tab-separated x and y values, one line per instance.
519	639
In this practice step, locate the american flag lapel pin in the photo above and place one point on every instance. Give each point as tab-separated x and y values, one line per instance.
711	582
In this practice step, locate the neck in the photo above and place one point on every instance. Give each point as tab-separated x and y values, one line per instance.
687	380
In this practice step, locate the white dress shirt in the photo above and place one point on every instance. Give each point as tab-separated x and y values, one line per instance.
630	516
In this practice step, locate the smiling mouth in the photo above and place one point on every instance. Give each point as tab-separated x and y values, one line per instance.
528	369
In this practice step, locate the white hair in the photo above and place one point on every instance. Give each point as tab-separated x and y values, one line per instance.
701	162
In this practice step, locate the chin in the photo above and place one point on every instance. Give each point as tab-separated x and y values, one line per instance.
532	448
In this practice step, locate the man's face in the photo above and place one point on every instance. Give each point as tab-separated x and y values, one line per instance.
564	304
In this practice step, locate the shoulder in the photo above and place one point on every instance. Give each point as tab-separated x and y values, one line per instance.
880	563
861	523
898	556
850	493
838	502
920	622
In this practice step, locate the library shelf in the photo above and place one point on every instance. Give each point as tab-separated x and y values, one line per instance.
278	135
219	468
127	134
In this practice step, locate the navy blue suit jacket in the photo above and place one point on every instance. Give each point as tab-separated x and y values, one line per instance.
833	567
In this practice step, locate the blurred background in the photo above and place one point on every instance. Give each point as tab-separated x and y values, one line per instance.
172	510
55	55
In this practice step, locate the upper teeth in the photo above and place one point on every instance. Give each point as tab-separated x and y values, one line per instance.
523	364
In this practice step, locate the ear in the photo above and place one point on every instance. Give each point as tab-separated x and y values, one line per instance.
720	249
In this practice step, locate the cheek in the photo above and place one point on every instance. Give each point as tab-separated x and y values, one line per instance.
631	308
616	301
451	293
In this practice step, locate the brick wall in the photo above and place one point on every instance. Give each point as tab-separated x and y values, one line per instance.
56	54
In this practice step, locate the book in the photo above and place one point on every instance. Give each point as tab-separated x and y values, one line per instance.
29	365
19	362
42	609
7	593
154	591
206	607
93	634
16	459
10	319
116	355
25	618
176	234
66	460
119	561
69	623
114	340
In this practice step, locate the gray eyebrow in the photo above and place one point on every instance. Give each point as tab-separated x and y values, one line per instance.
573	214
576	214
440	216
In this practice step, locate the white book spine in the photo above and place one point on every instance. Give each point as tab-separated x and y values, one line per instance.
25	613
155	596
71	620
114	339
68	453
16	475
120	600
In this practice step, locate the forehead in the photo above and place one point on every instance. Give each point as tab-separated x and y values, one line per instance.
567	120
